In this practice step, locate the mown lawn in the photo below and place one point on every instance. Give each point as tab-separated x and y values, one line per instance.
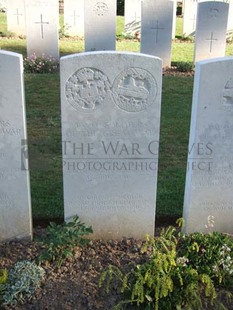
44	127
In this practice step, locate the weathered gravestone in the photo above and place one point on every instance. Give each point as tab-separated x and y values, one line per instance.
174	20
16	17
132	16
189	17
230	16
209	177
15	204
100	25
42	18
110	129
74	17
211	28
156	33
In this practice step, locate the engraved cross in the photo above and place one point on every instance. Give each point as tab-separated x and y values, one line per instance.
74	16
157	28
42	25
194	20
17	14
211	39
135	16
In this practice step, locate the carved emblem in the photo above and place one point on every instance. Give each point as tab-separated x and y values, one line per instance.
213	12
100	8
134	90
227	96
86	89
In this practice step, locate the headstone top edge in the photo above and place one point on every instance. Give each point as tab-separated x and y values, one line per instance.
209	3
139	55
213	60
13	54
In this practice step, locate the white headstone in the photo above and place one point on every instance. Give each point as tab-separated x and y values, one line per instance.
174	20
189	17
211	28
209	177
110	131
156	33
16	17
42	19
3	5
15	203
230	16
132	16
100	25
74	17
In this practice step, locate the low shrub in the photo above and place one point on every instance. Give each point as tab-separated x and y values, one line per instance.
184	66
23	280
180	272
40	64
61	239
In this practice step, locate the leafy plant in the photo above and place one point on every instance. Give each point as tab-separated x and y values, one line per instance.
40	64
211	254
63	31
24	278
3	276
61	239
184	66
171	277
3	280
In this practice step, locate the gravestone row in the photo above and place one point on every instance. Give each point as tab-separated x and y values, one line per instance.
190	16
156	25
110	137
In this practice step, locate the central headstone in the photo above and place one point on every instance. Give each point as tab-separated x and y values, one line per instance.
100	25
42	18
209	178
156	34
211	28
16	17
74	17
15	202
110	130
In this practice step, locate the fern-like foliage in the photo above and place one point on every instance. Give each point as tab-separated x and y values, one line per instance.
168	279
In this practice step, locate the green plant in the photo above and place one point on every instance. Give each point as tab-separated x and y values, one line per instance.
210	253
63	31
7	34
3	280
3	275
61	239
40	64
24	278
168	279
184	66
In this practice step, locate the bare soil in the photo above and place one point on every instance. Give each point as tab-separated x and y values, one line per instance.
74	285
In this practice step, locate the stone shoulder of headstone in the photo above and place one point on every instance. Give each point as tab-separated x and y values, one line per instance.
209	177
15	201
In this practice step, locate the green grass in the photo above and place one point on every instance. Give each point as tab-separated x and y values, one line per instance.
3	27
44	138
43	121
